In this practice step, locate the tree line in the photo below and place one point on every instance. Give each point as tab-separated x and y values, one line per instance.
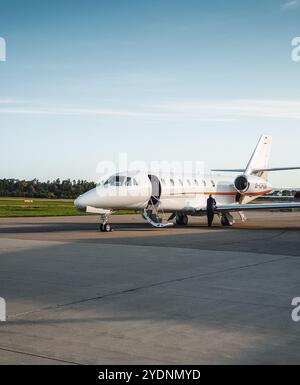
57	189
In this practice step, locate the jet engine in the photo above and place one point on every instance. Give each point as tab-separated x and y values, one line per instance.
241	183
250	184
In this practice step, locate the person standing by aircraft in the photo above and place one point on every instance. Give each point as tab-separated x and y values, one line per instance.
251	183
211	205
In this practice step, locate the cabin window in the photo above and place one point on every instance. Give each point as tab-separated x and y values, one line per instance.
188	182
213	183
196	182
135	182
204	183
172	182
180	182
163	182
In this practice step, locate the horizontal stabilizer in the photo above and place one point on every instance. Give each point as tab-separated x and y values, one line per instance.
258	170
229	170
275	169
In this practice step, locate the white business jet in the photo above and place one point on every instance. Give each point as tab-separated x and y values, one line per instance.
164	194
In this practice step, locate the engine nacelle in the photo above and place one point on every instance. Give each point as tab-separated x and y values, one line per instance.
251	184
241	183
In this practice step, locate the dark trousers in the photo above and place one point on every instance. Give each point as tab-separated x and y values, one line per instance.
210	217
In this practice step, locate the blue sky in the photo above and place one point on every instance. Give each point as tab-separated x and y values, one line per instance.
177	80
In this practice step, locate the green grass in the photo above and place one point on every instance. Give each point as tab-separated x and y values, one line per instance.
29	207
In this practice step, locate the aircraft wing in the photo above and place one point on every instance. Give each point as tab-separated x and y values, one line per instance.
278	197
258	206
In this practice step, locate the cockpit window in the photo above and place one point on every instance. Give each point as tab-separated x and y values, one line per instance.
128	181
116	180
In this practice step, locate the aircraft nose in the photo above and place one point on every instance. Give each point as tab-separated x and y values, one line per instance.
90	198
107	198
79	204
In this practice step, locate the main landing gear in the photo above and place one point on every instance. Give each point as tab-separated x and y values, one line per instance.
227	220
182	219
105	227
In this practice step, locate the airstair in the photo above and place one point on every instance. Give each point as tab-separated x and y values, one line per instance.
154	214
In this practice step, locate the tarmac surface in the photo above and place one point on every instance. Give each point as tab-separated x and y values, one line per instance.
138	295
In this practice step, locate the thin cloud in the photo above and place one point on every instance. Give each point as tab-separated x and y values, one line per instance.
113	113
7	101
236	109
205	111
292	4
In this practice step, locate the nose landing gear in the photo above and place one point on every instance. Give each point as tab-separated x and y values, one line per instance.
105	227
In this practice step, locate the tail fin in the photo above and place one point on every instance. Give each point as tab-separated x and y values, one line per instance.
259	162
261	157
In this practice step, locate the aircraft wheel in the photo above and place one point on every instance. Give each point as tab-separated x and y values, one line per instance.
182	220
107	228
226	222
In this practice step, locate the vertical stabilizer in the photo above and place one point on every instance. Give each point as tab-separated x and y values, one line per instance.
261	157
